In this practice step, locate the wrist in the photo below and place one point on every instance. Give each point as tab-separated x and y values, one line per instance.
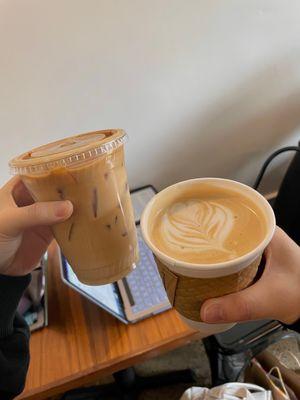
13	272
14	269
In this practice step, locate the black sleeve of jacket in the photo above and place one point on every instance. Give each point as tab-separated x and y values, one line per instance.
14	337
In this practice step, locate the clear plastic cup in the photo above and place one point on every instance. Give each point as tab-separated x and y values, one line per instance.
99	239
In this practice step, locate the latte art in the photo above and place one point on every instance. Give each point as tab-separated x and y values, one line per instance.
197	226
208	225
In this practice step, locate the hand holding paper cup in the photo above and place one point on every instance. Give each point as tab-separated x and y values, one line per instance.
207	236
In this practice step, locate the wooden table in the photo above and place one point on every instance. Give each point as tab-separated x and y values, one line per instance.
83	342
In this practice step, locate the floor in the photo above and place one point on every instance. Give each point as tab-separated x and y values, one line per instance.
193	356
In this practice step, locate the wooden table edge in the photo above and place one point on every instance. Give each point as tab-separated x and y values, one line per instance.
91	374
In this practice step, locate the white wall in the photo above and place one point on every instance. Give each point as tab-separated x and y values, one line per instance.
203	87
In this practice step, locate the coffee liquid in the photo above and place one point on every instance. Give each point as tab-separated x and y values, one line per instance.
99	239
208	224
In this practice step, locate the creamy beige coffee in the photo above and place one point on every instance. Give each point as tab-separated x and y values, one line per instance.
208	224
99	240
207	236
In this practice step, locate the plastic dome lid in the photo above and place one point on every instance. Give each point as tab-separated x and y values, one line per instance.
68	151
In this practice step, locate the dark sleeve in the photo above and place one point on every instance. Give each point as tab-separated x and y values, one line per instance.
14	337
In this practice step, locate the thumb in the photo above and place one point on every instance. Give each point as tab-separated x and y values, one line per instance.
15	220
255	302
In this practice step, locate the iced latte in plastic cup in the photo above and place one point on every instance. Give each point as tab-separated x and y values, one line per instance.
99	239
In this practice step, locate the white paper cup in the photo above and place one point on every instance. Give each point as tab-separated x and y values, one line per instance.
188	285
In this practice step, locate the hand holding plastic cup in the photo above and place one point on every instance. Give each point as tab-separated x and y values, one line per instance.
99	240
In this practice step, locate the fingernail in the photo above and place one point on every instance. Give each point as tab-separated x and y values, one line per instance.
213	313
63	208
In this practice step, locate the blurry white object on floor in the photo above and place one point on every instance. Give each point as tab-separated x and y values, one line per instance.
229	391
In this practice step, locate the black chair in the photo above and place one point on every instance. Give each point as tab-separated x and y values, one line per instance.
230	352
287	203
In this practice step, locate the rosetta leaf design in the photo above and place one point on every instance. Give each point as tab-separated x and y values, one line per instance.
198	225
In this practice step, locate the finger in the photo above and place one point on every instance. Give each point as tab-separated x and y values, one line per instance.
269	296
21	195
15	220
254	302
